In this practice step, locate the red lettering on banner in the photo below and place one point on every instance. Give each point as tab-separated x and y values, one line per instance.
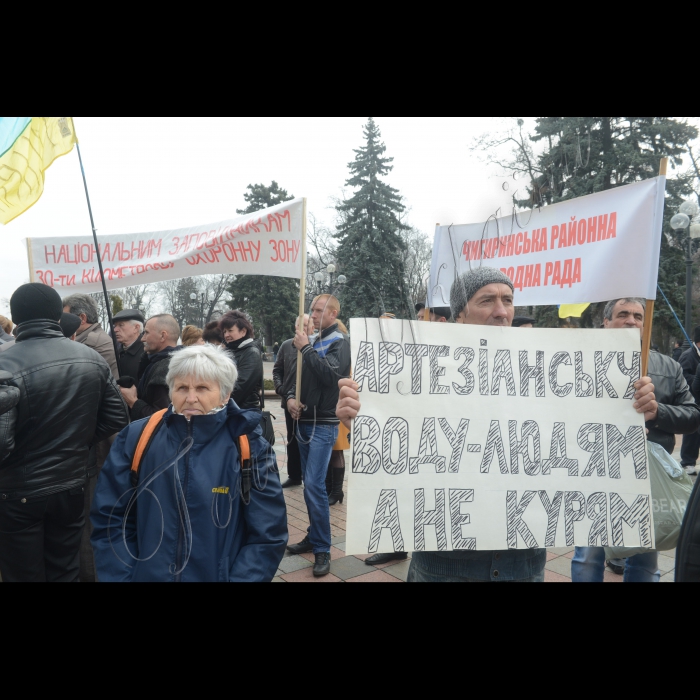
567	277
582	230
519	278
612	231
577	271
543	240
592	229
556	276
602	227
537	279
529	272
519	244
555	234
549	270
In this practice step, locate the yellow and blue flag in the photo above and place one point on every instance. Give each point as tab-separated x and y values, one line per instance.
28	147
572	310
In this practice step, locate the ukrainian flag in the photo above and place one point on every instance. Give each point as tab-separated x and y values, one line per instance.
28	147
572	310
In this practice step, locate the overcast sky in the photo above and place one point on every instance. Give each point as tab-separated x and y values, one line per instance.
155	173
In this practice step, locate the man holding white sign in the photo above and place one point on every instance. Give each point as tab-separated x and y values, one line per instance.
506	503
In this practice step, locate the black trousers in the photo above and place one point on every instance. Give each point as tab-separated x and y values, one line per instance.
691	449
40	539
293	456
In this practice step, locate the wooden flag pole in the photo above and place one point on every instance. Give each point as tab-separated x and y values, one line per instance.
428	311
651	304
302	300
30	257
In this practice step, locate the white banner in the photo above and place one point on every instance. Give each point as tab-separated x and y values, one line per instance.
265	243
480	438
593	249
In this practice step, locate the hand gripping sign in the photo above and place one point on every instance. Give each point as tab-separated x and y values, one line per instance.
477	438
268	242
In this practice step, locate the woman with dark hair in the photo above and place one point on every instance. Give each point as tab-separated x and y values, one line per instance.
212	334
240	340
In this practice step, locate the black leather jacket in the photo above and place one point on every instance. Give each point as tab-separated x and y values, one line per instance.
248	359
285	372
320	377
678	412
68	402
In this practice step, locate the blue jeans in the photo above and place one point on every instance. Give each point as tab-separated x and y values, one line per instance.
316	444
589	567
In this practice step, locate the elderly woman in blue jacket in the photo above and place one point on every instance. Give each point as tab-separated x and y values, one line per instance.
189	514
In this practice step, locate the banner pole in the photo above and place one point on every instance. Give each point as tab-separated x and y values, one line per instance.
428	311
99	260
302	298
651	304
30	257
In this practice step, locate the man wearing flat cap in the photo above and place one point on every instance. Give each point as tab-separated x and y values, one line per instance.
128	329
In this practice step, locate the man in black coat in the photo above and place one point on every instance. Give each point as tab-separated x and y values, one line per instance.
68	402
153	394
690	361
128	329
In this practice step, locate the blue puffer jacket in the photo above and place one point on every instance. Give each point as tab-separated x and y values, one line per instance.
167	543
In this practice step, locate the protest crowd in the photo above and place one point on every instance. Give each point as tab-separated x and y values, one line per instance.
108	463
485	429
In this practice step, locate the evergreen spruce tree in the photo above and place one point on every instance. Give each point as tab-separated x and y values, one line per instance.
371	248
272	302
584	155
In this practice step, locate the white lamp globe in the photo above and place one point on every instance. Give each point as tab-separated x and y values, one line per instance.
690	208
680	222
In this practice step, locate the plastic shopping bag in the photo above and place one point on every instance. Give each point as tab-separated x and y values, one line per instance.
671	489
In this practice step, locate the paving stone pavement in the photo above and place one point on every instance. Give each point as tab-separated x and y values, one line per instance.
354	570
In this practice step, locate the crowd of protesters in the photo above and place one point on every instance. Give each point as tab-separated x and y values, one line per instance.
146	457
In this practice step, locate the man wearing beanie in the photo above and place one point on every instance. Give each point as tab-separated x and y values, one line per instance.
68	402
482	297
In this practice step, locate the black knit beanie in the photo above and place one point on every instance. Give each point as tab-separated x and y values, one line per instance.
34	302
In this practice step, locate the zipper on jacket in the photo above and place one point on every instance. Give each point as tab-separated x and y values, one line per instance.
181	531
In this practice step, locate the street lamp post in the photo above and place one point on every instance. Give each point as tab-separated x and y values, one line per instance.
324	285
193	297
681	221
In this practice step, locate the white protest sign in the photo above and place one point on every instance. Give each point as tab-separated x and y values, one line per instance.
587	250
265	243
483	439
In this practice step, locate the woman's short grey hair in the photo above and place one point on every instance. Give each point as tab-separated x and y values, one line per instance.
205	363
83	304
610	308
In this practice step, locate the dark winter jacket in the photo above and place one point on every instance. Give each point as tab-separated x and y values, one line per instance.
95	338
215	537
678	412
690	360
9	398
677	354
130	360
153	390
327	360
69	401
688	552
248	358
284	374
